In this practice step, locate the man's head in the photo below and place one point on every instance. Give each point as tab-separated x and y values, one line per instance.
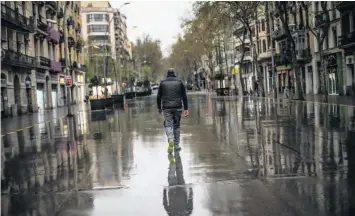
171	73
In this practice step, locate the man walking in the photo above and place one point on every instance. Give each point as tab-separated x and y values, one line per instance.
171	95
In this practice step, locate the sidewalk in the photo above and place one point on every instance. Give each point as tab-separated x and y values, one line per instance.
332	99
15	123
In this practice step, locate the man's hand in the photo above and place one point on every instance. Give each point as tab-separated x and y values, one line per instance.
186	113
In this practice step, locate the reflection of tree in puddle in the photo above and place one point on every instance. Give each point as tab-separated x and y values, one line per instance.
178	197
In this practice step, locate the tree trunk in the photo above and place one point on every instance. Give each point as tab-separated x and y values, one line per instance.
240	64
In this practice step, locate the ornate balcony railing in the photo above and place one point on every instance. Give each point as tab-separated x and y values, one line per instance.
279	34
42	24
16	19
11	57
347	40
56	66
43	61
53	35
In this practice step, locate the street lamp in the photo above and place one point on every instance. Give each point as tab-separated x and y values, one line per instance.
105	57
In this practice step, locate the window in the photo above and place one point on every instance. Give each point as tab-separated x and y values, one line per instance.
12	42
264	46
97	17
97	28
262	25
21	43
335	38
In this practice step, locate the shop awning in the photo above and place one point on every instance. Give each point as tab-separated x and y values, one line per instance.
283	67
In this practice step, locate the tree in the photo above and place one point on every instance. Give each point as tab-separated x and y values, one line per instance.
320	32
285	10
147	50
225	15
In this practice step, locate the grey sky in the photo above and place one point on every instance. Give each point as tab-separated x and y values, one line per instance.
159	19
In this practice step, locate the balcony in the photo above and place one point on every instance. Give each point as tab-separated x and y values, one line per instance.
83	68
347	40
319	19
79	45
78	28
15	20
247	57
56	66
279	34
343	6
44	63
70	21
42	25
13	58
304	55
60	13
53	35
71	41
75	65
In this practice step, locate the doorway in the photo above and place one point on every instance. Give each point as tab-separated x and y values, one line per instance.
332	84
28	94
48	93
17	93
3	94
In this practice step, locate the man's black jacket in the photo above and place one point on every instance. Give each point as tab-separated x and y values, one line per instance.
171	93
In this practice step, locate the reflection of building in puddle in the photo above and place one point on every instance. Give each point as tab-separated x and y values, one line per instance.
41	165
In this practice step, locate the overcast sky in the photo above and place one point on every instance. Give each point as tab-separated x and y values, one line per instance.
160	19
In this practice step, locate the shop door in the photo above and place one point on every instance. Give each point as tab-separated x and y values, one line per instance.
40	96
332	84
54	98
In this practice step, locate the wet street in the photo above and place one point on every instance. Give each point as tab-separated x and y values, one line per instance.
239	157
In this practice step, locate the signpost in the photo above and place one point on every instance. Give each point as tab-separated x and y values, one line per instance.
68	81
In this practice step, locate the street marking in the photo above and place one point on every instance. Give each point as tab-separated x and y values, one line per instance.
34	125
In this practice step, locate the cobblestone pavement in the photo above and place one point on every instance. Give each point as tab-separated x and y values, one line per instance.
240	156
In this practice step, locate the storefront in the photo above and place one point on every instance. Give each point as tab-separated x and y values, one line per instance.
334	75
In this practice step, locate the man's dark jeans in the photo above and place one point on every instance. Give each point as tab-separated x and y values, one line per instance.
172	125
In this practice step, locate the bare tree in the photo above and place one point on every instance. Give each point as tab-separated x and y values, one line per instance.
320	32
285	10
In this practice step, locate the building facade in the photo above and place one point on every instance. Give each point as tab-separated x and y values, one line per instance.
346	42
104	31
97	30
77	66
31	65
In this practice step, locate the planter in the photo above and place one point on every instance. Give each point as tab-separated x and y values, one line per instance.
119	98
109	103
130	95
142	94
222	91
97	104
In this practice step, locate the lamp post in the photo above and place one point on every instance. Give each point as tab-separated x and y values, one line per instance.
105	46
66	57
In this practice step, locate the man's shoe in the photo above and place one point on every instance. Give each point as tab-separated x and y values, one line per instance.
171	146
177	148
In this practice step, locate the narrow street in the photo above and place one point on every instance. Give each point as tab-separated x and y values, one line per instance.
240	156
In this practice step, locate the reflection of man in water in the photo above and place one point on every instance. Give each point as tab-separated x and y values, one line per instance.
178	197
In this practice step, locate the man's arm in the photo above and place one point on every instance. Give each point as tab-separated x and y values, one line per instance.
159	97
184	96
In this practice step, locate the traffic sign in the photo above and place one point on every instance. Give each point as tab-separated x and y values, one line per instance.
68	81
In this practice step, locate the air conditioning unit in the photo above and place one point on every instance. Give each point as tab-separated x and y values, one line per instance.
349	60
